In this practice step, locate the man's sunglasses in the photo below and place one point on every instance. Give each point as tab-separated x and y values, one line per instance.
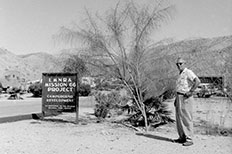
179	64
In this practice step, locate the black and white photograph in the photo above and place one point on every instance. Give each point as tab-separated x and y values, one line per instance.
115	76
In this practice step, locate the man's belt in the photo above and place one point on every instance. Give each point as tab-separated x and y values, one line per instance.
178	93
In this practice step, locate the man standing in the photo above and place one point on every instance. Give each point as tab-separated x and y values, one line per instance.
186	84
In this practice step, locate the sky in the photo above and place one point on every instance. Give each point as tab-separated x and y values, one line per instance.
27	26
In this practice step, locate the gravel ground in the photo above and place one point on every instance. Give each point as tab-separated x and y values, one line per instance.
59	135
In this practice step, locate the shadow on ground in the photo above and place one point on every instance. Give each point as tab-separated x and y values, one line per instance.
155	137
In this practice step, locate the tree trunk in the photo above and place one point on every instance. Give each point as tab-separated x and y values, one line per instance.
145	117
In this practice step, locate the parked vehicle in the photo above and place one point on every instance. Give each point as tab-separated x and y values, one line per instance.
205	90
221	92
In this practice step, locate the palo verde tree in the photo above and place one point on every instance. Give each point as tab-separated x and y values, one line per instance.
75	64
119	44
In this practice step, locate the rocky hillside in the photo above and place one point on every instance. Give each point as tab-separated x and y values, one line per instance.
41	62
13	69
17	70
207	57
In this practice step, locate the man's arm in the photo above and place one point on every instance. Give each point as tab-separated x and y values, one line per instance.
196	83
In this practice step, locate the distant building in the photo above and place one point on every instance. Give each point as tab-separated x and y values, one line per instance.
89	81
216	81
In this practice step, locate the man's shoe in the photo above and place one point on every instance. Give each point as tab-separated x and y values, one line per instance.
179	140
188	143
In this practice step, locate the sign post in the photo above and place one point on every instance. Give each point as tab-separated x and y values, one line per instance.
60	93
77	110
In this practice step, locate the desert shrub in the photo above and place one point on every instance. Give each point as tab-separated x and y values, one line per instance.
74	64
5	89
157	113
108	85
13	90
36	89
105	102
103	86
168	94
85	90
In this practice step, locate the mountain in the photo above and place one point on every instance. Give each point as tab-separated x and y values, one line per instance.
206	57
13	69
16	70
41	62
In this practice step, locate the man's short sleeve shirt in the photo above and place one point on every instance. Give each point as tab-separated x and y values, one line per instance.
185	81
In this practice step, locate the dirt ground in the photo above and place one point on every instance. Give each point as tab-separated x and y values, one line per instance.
59	135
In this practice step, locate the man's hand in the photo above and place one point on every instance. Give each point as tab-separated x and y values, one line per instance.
188	94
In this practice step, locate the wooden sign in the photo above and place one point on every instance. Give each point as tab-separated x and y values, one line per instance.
59	92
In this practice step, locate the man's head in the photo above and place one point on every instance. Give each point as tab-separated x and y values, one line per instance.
180	63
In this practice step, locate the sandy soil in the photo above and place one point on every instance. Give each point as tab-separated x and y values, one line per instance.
59	135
